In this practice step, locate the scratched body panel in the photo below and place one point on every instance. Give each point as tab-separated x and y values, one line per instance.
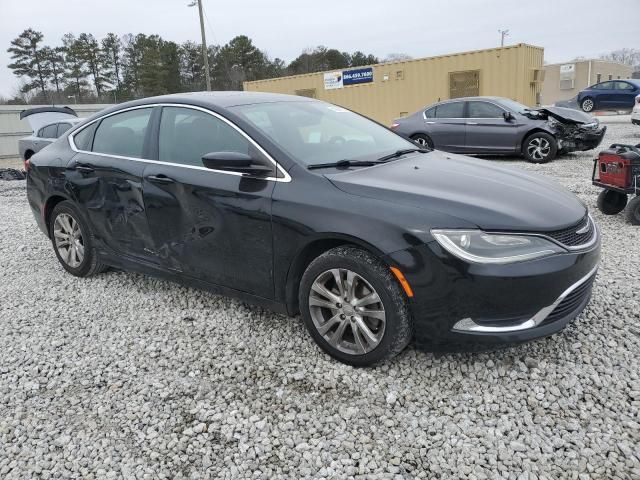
114	202
198	220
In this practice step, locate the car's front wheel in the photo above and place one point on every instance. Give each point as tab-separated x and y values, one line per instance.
540	147
587	104
73	241
354	307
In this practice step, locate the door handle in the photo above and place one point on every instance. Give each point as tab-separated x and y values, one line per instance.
430	123
162	179
84	169
472	123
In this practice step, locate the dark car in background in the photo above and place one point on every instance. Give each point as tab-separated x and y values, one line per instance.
303	206
612	95
496	125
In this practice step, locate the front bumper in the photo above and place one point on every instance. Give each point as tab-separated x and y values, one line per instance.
582	140
458	305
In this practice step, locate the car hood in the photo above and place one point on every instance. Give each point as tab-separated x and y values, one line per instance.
41	116
478	191
567	115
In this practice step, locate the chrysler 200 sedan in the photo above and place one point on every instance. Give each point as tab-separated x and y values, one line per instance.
302	206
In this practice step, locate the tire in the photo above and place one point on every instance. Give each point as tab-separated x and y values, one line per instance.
633	211
391	328
28	154
423	140
587	104
539	147
611	202
80	257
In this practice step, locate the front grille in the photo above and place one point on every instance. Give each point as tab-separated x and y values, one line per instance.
571	301
569	236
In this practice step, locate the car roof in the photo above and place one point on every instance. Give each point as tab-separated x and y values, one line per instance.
224	99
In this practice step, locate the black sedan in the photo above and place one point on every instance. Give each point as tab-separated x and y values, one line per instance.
302	206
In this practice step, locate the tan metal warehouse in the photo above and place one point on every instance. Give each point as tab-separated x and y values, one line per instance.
389	90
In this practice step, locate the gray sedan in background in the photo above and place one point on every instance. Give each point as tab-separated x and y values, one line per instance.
47	125
495	125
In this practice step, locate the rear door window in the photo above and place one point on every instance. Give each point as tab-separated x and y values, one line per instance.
63	127
123	134
50	131
624	86
450	110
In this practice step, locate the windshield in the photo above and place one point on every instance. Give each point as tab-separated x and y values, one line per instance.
514	106
318	132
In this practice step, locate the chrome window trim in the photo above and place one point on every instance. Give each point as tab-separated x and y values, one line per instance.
286	178
464	118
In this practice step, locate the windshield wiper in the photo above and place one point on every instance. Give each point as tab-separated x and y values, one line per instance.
344	164
399	153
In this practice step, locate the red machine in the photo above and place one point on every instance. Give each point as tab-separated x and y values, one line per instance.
617	170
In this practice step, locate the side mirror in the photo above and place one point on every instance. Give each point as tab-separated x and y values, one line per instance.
235	162
508	116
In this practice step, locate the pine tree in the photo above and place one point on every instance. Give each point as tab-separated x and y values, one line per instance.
76	72
28	60
94	58
112	50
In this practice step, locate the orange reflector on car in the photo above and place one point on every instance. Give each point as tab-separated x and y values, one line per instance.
403	281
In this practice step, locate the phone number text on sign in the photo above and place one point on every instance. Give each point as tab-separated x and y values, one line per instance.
353	77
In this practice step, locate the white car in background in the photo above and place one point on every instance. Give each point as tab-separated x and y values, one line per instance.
635	113
47	125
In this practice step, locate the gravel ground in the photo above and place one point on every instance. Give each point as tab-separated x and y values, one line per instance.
122	375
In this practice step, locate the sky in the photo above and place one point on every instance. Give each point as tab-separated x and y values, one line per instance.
283	28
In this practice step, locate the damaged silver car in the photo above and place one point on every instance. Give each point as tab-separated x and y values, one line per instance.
495	125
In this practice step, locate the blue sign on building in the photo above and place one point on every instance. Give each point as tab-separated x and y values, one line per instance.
354	77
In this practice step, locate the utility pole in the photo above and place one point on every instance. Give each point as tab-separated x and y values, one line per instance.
205	53
503	33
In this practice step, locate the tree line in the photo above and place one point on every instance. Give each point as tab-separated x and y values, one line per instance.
85	69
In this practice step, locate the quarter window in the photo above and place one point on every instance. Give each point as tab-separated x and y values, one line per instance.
186	135
484	110
84	138
431	113
123	133
450	110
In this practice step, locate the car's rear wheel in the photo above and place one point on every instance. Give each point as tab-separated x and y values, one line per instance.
540	147
354	307
587	104
611	202
633	211
73	241
423	140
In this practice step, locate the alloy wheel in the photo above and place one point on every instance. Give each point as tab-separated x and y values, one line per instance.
587	105
347	311
422	141
539	148
68	239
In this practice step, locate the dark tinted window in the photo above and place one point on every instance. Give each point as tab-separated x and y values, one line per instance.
123	133
84	138
186	135
624	86
63	127
450	110
484	110
431	113
50	131
604	86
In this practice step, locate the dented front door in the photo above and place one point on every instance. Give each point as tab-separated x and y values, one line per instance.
212	226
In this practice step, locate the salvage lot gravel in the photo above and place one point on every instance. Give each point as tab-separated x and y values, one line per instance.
122	375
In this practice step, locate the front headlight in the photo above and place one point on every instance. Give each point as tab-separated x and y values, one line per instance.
476	246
